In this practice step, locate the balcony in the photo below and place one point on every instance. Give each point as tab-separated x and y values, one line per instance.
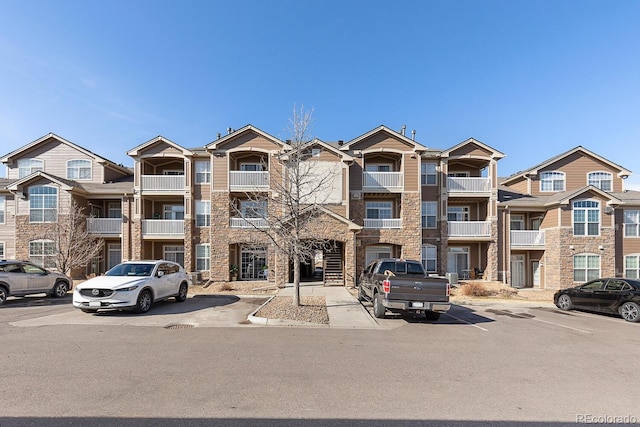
383	223
470	229
248	180
162	183
469	186
527	238
163	228
105	226
248	223
383	181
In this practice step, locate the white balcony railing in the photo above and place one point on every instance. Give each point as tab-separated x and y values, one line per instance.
520	238
162	183
383	181
104	225
241	180
468	185
249	223
163	227
469	228
383	223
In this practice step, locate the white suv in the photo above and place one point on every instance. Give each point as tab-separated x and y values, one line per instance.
132	285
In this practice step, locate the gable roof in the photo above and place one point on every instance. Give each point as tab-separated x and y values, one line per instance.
248	128
158	139
329	147
382	128
65	184
495	154
97	158
622	172
352	225
507	196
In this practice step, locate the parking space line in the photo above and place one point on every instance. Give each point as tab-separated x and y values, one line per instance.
464	321
521	316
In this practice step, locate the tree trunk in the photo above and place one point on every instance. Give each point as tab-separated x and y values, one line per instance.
296	279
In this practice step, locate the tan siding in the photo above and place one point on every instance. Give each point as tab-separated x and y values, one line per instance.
338	209
430	193
355	175
411	173
220	174
161	148
250	139
381	140
520	186
472	150
550	219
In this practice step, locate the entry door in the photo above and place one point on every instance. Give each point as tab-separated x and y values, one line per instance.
535	268
458	261
517	271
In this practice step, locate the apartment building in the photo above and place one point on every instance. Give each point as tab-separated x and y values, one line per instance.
565	220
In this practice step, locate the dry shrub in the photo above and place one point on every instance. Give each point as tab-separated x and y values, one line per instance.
226	287
507	293
474	289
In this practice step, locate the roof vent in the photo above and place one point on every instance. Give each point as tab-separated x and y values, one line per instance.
340	142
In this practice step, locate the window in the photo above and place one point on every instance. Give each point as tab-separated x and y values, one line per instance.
43	204
203	171
203	257
253	209
28	166
3	205
43	253
203	213
428	174
173	212
174	253
632	266
517	222
78	169
251	167
315	152
1	250
552	181
586	218
430	258
586	267
253	259
378	168
631	223
429	210
602	180
377	252
114	210
458	213
379	210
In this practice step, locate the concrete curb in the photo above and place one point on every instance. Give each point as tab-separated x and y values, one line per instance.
259	320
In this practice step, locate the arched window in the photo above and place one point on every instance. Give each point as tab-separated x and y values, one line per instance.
28	166
552	181
43	203
79	169
586	218
602	180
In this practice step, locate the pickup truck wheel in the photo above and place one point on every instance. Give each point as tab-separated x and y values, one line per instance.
431	315
378	308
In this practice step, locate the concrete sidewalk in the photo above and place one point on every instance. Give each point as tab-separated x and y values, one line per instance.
345	311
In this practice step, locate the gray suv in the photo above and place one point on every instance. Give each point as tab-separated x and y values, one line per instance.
19	278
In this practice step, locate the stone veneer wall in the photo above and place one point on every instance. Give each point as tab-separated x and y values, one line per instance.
28	231
560	247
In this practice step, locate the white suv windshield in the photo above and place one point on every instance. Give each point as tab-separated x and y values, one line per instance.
130	270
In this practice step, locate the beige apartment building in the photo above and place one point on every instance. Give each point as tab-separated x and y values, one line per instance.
562	222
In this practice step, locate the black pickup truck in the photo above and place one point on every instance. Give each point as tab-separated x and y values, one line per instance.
400	285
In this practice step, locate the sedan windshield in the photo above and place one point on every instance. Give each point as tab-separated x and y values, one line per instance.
130	270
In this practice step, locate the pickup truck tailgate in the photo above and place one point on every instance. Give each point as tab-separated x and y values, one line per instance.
432	289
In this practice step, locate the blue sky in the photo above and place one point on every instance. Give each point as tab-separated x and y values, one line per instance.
529	78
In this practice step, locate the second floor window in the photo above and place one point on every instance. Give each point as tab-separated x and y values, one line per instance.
458	213
79	169
203	171
2	209
428	174
517	222
429	212
173	212
586	218
28	166
43	204
114	210
631	223
253	209
552	181
379	210
602	180
203	213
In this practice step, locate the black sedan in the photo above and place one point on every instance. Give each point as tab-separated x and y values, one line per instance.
614	295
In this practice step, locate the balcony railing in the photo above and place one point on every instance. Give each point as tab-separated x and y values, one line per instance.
468	185
249	223
248	180
163	227
469	228
162	183
111	226
393	181
383	223
520	238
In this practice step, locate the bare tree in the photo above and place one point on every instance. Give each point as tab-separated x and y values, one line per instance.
76	246
291	210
